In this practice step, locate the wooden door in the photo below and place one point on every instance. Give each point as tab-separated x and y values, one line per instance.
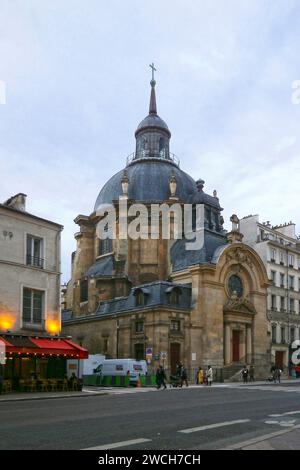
279	359
235	346
174	356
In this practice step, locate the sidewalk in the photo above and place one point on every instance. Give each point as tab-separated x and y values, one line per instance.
22	396
90	390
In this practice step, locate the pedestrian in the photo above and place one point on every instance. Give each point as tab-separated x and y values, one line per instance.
160	378
251	373
277	375
245	373
184	377
209	375
200	376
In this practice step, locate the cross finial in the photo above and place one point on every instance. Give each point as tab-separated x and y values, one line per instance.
153	70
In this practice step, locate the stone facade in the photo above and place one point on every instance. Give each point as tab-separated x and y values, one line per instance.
279	250
201	306
37	271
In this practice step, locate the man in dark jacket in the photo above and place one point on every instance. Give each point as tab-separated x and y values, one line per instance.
160	377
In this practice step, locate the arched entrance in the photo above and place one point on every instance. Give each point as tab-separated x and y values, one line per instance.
238	330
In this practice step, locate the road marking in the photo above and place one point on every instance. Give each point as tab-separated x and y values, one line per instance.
216	425
290	423
284	414
241	445
118	444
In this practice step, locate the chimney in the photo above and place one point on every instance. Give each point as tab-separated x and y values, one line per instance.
17	202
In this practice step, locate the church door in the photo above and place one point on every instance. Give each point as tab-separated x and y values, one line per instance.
174	356
235	346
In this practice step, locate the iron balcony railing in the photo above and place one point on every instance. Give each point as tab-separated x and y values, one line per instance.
35	261
150	154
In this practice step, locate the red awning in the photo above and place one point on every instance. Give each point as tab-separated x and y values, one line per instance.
43	346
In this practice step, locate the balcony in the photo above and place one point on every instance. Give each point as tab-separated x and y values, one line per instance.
146	154
273	260
35	261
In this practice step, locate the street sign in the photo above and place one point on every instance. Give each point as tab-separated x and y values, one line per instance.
163	355
156	357
149	351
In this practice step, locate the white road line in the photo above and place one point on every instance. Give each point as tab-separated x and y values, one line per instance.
216	425
118	444
284	414
241	445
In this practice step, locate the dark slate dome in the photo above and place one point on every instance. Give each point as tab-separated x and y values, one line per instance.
148	182
152	121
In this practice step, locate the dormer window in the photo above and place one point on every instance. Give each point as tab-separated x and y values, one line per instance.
141	296
174	294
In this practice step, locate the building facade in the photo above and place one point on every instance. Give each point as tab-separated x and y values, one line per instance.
156	296
33	354
279	248
29	270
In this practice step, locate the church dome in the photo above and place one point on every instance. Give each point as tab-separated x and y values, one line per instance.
152	121
148	182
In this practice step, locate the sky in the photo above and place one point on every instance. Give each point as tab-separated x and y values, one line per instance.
75	77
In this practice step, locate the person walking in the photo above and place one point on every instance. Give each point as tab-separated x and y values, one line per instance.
160	378
200	376
209	375
245	373
277	375
184	377
251	373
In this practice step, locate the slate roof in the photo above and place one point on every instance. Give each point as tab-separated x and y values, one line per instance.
148	182
102	267
156	294
181	258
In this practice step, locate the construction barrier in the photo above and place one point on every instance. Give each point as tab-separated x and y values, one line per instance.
118	381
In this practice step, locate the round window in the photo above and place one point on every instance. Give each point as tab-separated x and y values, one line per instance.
235	285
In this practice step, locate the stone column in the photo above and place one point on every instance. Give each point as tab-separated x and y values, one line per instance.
227	349
243	343
249	344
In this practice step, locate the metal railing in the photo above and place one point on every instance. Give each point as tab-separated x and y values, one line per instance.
147	154
35	261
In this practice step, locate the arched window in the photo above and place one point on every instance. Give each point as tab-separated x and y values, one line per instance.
162	147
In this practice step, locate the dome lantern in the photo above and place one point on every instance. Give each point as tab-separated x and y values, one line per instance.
152	134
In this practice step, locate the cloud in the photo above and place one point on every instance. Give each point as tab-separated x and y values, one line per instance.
77	85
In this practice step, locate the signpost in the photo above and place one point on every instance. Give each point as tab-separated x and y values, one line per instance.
163	356
149	354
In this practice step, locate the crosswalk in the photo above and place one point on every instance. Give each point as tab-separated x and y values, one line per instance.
237	386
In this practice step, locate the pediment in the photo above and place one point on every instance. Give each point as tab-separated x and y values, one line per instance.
240	305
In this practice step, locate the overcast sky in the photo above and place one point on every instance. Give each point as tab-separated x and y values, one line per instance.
77	85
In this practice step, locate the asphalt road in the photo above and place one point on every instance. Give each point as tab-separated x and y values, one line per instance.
193	418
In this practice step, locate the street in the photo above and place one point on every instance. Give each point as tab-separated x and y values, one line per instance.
223	416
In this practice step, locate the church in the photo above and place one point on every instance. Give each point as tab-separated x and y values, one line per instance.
155	298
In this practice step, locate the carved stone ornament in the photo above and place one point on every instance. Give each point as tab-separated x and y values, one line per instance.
239	256
239	304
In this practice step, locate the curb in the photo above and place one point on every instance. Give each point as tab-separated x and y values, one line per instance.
83	395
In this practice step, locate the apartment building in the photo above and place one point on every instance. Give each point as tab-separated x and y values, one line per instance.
279	248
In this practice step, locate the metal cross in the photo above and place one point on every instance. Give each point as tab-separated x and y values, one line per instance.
153	69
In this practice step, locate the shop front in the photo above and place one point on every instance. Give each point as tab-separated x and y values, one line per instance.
38	363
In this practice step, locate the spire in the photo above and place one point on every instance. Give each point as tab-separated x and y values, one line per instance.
152	106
